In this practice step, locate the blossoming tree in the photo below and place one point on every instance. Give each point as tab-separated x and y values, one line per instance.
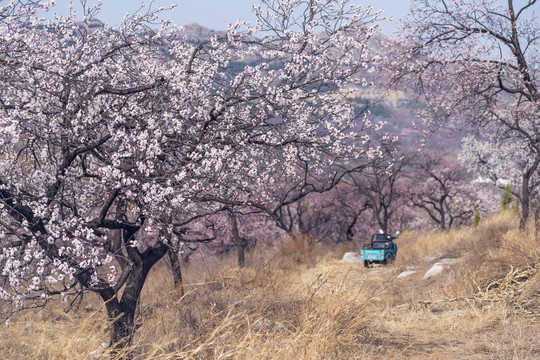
503	162
386	185
443	191
476	61
139	132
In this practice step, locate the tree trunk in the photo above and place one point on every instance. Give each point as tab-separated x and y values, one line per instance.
352	224
122	312
117	238
384	224
124	321
443	218
350	232
525	191
525	200
240	242
123	326
241	253
176	269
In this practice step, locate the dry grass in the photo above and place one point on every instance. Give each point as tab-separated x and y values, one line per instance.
298	302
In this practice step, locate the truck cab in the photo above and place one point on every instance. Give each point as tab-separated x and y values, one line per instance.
381	249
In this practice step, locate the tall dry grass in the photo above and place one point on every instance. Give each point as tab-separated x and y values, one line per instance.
298	302
486	305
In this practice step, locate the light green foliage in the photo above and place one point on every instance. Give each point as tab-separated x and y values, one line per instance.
476	219
507	197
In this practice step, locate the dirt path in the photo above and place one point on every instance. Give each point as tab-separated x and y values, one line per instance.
411	318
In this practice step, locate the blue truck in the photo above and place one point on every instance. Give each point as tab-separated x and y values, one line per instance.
381	249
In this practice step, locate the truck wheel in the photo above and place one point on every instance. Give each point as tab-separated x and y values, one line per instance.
366	263
385	261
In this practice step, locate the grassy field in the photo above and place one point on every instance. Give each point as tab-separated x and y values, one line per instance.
301	303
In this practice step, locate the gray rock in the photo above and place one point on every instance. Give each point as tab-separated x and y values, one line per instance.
100	351
435	270
351	257
406	273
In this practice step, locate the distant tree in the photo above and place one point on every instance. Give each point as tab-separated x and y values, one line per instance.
442	191
330	217
509	163
246	228
351	213
184	239
384	186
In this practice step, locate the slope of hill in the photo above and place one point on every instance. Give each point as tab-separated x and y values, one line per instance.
396	109
294	303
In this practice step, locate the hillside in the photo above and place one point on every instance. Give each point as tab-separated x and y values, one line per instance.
396	109
302	303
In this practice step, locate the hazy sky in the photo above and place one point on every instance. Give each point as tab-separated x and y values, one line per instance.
214	14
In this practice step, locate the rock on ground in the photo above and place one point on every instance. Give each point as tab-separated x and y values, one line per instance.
406	273
351	257
436	269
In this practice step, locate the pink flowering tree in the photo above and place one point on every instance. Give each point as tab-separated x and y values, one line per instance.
138	132
241	229
385	186
328	217
351	213
476	62
443	191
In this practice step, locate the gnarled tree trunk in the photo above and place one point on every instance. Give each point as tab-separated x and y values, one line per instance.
121	312
241	243
176	269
